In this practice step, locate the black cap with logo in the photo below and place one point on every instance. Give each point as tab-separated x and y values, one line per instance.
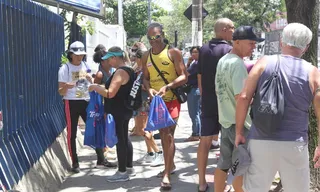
246	33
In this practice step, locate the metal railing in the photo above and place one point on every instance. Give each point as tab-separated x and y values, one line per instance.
31	44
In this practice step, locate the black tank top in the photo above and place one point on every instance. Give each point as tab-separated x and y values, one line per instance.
116	105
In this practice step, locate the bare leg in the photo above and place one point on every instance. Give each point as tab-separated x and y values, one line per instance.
215	137
202	159
167	140
237	184
220	178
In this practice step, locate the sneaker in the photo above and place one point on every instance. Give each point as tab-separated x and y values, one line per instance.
147	158
105	164
131	171
158	160
214	147
118	177
75	169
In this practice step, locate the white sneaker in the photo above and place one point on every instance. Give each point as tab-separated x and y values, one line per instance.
147	158
158	160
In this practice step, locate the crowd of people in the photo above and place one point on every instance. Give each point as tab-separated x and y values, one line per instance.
224	99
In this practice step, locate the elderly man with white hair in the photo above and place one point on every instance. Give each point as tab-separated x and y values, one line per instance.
285	147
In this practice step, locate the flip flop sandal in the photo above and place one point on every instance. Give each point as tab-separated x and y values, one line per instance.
165	186
160	174
206	189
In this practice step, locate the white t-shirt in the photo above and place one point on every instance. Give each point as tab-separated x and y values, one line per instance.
76	74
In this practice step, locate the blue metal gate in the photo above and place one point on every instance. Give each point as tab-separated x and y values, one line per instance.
31	44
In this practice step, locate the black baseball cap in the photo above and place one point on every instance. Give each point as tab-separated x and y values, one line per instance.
246	33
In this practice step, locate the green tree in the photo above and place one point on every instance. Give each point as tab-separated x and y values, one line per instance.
242	12
176	21
135	15
307	12
246	12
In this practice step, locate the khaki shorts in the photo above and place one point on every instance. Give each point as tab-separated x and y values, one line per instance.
290	159
227	147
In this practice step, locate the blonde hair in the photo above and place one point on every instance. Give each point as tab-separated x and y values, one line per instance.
124	56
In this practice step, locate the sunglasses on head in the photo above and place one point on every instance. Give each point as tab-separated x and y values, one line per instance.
77	49
153	37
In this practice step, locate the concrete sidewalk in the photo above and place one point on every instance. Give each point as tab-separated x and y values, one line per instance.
185	179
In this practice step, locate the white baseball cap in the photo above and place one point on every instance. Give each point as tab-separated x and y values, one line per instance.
77	48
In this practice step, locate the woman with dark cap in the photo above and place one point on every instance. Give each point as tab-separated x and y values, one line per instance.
116	91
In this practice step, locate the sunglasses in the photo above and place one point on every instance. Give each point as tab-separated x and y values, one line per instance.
134	50
153	37
77	49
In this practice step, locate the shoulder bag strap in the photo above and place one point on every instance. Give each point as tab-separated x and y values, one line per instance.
155	66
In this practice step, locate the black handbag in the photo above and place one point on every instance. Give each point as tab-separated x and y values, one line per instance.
178	91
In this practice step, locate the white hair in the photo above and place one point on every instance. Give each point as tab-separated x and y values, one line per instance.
296	35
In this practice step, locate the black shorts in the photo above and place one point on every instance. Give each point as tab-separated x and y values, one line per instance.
209	116
209	125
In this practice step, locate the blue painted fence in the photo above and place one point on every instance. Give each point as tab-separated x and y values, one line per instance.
31	44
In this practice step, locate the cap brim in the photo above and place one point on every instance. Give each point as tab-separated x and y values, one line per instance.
107	56
79	52
252	39
258	39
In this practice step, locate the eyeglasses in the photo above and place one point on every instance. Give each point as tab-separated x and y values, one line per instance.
77	49
153	37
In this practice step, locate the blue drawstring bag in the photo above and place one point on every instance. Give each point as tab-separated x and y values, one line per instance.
111	138
159	116
95	125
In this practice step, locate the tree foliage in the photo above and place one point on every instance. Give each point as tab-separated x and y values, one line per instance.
135	15
247	12
242	12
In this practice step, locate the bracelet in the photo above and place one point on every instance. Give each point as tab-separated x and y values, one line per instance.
167	88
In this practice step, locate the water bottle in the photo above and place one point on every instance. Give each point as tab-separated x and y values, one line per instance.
82	87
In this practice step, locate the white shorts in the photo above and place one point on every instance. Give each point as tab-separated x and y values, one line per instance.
290	159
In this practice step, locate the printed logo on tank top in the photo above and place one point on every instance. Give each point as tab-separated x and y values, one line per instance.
149	64
165	63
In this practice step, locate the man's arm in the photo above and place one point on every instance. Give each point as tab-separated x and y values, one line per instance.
179	67
244	98
314	79
146	75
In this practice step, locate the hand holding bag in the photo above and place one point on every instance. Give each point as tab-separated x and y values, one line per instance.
159	116
94	132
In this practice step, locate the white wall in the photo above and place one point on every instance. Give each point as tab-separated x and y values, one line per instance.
107	35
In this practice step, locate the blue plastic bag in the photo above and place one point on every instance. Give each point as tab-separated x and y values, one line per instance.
95	125
159	116
111	138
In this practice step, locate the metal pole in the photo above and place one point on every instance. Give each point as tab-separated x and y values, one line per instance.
120	13
197	22
149	12
58	7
